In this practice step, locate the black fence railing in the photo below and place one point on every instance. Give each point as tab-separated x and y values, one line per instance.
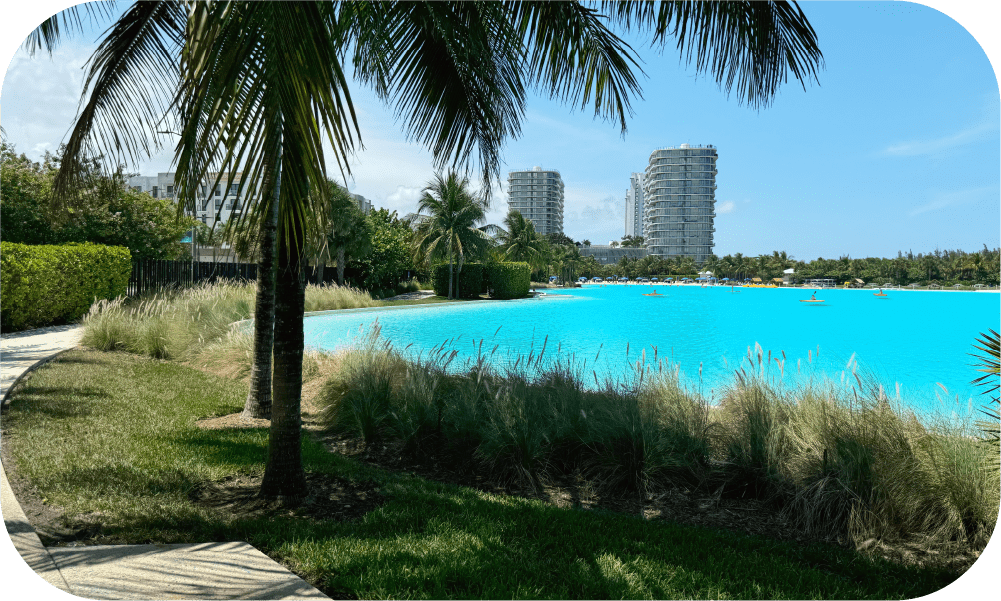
153	275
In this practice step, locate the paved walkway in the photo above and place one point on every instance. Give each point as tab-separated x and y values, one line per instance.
233	570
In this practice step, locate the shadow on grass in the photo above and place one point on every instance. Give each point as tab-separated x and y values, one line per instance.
243	448
56	402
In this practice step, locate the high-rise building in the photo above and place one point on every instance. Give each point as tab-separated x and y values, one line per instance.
538	195
634	206
679	193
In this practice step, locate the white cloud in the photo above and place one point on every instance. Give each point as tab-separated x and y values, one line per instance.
727	206
949	199
923	147
40	97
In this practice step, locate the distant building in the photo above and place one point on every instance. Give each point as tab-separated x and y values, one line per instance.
679	194
634	205
211	206
364	204
607	255
538	195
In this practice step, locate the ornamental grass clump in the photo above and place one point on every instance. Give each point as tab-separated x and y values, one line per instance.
328	297
185	324
864	466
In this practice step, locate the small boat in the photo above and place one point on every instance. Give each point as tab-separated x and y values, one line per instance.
880	295
653	294
811	300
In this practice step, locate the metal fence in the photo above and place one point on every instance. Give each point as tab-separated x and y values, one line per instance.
153	275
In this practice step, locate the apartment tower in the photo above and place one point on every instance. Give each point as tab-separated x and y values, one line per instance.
634	206
538	195
679	193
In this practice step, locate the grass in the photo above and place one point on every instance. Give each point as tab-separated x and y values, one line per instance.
842	461
115	433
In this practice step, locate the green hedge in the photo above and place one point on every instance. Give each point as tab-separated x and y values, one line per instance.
508	280
44	285
470	281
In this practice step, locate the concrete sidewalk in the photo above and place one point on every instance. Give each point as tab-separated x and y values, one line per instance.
232	570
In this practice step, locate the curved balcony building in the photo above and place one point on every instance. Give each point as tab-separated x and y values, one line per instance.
679	194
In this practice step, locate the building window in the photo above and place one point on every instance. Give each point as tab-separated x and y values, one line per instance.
170	190
155	194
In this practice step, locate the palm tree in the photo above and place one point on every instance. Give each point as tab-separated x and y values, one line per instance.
446	227
340	232
259	86
520	242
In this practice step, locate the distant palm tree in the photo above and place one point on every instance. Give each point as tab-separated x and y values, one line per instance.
340	232
520	242
446	228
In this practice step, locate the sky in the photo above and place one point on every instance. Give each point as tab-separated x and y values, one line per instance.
897	148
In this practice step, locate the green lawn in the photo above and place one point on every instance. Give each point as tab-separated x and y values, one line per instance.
115	433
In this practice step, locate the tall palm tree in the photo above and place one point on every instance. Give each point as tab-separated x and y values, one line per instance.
446	228
520	242
259	86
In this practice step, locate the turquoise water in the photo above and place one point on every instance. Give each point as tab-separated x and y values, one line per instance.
916	340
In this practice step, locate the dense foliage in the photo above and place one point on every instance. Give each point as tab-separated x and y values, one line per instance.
45	284
104	211
508	280
469	282
389	260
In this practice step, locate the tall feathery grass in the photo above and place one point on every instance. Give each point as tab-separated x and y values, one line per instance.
842	460
198	322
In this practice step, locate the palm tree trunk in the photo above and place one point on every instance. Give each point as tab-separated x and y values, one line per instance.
258	403
321	265
340	266
450	276
284	477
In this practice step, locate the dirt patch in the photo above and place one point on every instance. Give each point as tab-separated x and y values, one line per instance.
330	498
232	421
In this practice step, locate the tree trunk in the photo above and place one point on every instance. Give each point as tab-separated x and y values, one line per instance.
340	266
320	266
258	403
449	278
284	477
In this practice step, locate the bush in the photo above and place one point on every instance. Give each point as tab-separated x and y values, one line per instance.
469	282
508	280
44	285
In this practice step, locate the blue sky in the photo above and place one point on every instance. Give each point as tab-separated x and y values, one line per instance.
897	148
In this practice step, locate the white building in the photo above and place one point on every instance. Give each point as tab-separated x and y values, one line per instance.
364	204
679	193
634	205
538	195
211	206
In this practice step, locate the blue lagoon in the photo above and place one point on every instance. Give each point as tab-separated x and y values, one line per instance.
917	342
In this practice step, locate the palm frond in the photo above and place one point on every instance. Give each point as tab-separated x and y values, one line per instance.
750	45
452	72
65	23
263	91
572	55
132	77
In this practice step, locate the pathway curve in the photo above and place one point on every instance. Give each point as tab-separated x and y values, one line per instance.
231	570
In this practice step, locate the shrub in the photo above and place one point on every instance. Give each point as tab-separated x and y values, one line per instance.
469	282
508	280
44	285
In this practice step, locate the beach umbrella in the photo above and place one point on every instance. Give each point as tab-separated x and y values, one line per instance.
655	279
726	279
